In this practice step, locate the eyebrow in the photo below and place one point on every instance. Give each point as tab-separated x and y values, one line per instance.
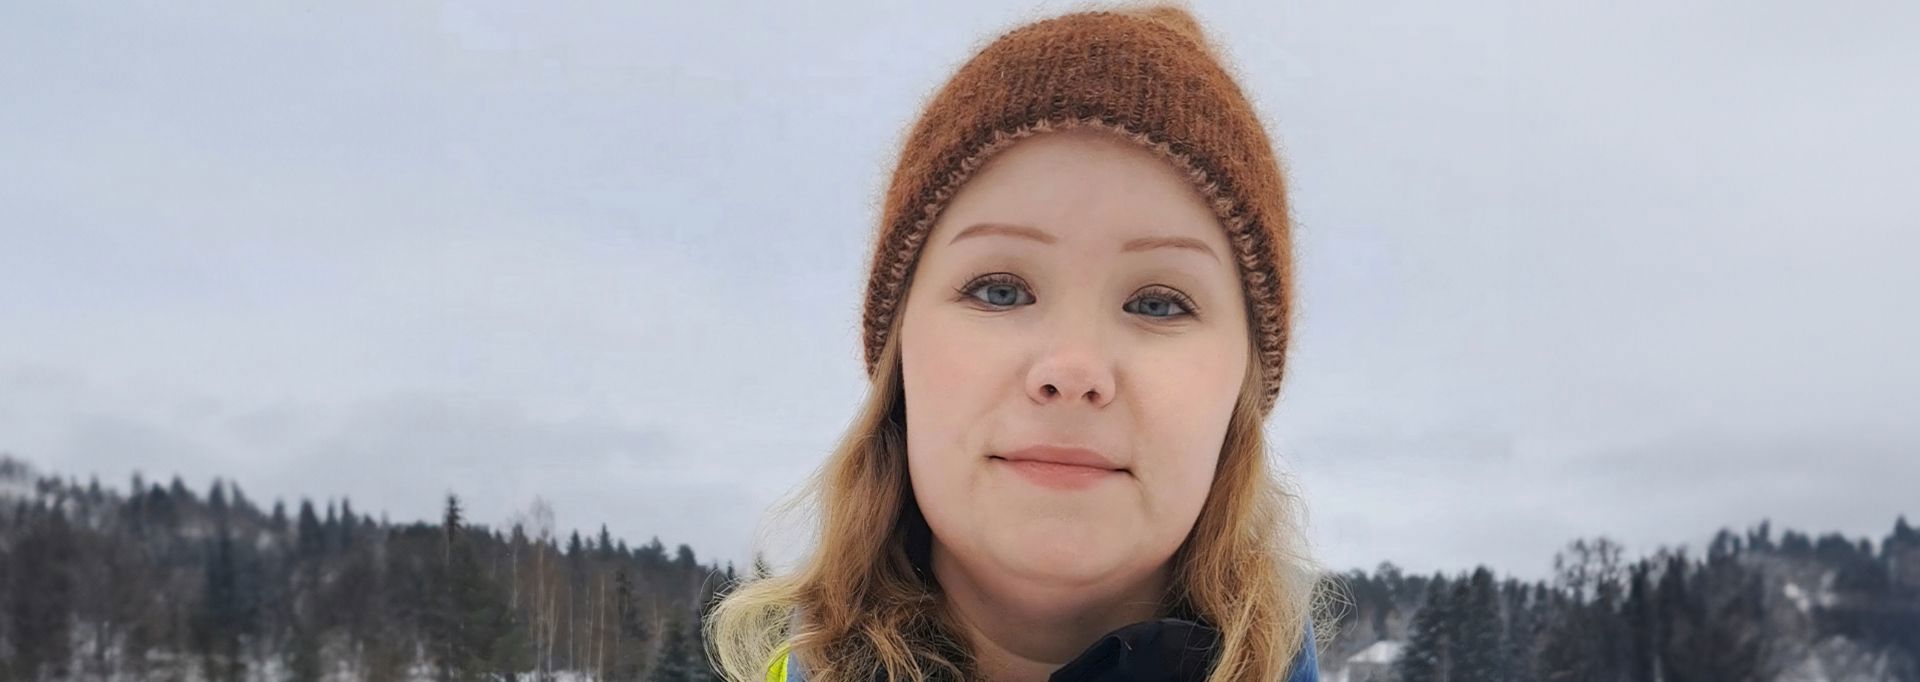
1038	235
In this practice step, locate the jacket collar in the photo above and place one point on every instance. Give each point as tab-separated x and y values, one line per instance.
1171	649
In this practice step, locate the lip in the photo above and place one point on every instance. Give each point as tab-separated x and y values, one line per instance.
1057	467
1056	454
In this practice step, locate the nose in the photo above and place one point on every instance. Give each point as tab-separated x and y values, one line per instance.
1072	371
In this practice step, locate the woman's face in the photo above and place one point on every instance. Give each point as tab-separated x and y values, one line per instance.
1073	342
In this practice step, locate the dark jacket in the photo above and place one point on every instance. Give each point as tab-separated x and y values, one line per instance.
1163	650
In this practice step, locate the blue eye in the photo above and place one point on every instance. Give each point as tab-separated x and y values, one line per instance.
1162	303
1002	294
1154	306
998	290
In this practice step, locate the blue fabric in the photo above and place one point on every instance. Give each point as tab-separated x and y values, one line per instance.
1307	667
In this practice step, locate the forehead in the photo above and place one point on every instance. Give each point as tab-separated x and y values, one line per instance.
1084	185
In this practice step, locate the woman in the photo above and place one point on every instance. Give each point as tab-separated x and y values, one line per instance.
1075	326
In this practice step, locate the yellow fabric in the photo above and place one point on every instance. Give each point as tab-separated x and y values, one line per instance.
778	671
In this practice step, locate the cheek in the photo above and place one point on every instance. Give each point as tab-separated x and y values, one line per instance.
947	379
936	375
1186	403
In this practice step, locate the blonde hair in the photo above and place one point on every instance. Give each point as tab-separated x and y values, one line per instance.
859	606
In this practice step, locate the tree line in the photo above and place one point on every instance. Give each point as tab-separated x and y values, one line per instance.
1751	607
165	582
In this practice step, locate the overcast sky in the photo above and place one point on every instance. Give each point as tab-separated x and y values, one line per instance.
1641	269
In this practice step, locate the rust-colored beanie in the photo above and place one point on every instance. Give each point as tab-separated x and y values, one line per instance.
1149	75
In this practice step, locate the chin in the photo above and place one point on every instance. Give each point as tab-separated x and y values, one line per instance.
1059	553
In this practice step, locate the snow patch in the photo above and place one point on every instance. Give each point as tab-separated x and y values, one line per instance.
1798	596
1385	651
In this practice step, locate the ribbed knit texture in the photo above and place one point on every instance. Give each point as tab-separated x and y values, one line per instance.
1148	75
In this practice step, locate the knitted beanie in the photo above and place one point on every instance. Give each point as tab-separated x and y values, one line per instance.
1148	75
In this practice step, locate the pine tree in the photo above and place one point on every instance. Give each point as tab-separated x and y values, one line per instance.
653	555
1896	544
41	607
237	499
475	634
1477	654
1642	623
313	543
1430	639
682	656
1613	644
630	630
217	499
347	525
1522	630
1729	624
1675	619
1760	539
1794	543
224	616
